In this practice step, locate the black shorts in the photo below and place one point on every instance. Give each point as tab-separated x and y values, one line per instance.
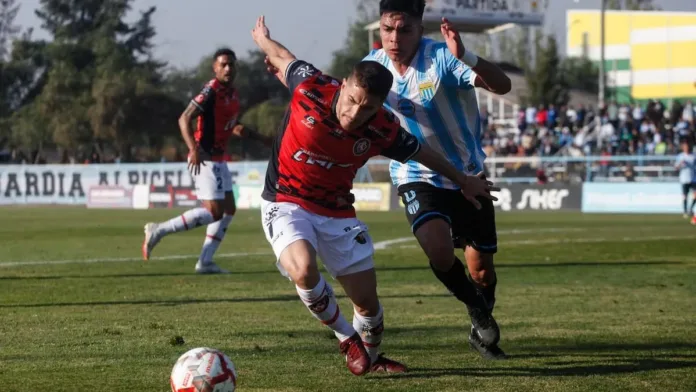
469	226
687	187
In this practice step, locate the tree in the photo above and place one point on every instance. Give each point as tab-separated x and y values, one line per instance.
356	46
581	74
545	79
8	31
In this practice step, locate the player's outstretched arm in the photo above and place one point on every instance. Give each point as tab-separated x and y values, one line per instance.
405	147
488	75
278	57
471	186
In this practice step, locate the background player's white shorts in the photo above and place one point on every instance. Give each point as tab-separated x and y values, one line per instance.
213	181
343	244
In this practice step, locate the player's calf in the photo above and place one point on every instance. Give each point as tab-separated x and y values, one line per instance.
190	219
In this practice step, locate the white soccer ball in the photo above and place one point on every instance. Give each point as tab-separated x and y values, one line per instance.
203	369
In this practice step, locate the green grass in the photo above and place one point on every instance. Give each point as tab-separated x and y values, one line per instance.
585	303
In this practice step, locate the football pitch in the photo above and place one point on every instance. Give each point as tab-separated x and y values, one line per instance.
584	302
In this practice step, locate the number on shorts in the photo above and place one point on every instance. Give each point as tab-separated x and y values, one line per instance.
219	183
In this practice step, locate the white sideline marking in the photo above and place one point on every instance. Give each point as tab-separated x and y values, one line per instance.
381	245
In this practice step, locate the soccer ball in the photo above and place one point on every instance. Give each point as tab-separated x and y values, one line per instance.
203	369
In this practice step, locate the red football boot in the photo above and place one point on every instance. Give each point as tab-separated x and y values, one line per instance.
386	365
357	360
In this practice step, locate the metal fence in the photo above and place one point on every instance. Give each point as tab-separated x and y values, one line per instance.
633	168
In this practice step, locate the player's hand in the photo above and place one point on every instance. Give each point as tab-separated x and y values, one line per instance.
260	31
452	38
195	162
478	186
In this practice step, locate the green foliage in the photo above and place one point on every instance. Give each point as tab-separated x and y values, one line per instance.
581	74
632	5
546	81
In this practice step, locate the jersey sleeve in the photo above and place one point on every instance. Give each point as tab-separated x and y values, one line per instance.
297	72
453	71
203	99
402	147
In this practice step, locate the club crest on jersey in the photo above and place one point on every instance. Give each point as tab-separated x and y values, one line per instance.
406	107
309	122
426	90
361	146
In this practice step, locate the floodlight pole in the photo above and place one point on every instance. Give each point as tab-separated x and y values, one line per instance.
602	77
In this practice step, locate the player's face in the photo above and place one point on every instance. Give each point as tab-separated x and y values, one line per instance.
355	106
401	35
685	148
225	69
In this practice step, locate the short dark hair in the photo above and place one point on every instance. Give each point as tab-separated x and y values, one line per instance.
224	52
373	77
413	8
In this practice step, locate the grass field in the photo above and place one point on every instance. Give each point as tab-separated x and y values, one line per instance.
585	303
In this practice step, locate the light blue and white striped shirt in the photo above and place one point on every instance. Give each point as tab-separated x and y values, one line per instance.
435	101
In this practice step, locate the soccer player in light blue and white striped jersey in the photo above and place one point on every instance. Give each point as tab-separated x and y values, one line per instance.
433	96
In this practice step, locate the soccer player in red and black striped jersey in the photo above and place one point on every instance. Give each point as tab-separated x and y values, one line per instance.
216	109
330	130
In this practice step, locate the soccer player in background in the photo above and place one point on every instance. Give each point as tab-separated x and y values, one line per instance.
216	109
330	130
686	164
433	96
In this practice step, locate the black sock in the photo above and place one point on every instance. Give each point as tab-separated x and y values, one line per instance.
458	284
488	292
685	206
693	203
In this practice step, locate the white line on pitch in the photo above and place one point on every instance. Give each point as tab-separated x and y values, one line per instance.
380	245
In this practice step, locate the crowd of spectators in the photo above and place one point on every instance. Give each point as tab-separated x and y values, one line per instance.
652	129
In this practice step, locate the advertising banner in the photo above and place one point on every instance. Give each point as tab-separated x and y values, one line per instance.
105	196
70	184
372	196
632	197
536	197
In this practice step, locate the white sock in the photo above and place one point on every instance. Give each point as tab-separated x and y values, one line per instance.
321	302
370	330
213	236
187	221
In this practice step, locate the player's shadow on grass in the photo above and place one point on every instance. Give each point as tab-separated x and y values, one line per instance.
547	265
590	368
189	301
379	268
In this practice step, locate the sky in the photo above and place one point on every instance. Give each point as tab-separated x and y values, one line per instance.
311	29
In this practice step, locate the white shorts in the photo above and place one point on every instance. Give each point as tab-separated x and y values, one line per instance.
343	244
213	181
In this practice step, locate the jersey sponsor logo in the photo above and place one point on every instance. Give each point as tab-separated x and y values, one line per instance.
406	107
305	71
312	96
361	146
311	159
426	90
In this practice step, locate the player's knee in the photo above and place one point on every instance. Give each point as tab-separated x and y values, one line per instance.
483	277
305	276
215	209
230	210
367	305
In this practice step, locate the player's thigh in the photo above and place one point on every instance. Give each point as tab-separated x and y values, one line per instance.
209	182
476	228
428	211
361	288
344	245
289	230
